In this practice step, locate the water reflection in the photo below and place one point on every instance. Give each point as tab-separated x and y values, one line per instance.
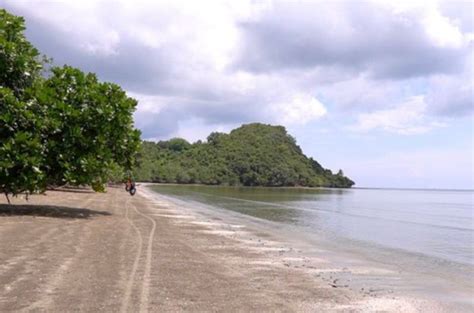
435	223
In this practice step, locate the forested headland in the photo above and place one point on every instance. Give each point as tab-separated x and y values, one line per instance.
251	155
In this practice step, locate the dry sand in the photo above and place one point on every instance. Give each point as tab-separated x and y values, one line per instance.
83	251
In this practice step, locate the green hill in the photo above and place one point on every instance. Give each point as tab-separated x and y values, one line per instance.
251	155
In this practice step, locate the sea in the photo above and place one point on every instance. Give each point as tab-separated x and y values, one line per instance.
426	232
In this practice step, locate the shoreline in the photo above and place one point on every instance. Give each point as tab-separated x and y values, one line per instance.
147	253
360	267
243	186
367	279
314	188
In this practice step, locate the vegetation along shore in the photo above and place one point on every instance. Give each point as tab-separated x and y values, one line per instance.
251	155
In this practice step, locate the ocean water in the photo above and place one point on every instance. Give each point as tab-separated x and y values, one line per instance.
437	224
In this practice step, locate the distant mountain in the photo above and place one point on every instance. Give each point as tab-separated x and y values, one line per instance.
251	155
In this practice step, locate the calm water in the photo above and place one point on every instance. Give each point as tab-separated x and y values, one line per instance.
434	223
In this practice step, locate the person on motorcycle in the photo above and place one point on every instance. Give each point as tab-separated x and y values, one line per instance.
130	186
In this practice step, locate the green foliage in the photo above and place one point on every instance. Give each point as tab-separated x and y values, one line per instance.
116	174
66	129
21	149
89	127
175	144
252	155
20	62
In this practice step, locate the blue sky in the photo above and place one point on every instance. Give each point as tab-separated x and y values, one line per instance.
380	89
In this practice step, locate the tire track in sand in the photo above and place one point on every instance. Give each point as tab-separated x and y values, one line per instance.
131	278
146	276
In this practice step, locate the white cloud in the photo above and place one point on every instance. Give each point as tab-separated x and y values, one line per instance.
407	118
441	30
81	24
149	104
300	109
197	129
360	93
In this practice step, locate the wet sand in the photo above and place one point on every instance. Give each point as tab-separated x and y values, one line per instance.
83	251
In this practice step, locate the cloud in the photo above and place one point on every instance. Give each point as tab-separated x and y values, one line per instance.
367	37
225	63
452	96
460	12
301	109
407	118
443	32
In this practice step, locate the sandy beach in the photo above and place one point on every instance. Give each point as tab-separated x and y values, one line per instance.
82	251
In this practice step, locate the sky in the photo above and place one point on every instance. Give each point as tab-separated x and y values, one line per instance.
380	89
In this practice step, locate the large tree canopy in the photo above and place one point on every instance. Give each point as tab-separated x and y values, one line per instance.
88	127
68	128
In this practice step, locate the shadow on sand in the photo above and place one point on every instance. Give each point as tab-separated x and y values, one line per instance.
48	211
73	190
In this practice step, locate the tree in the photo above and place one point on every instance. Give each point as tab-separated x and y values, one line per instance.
66	129
89	128
21	151
178	144
20	61
214	138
